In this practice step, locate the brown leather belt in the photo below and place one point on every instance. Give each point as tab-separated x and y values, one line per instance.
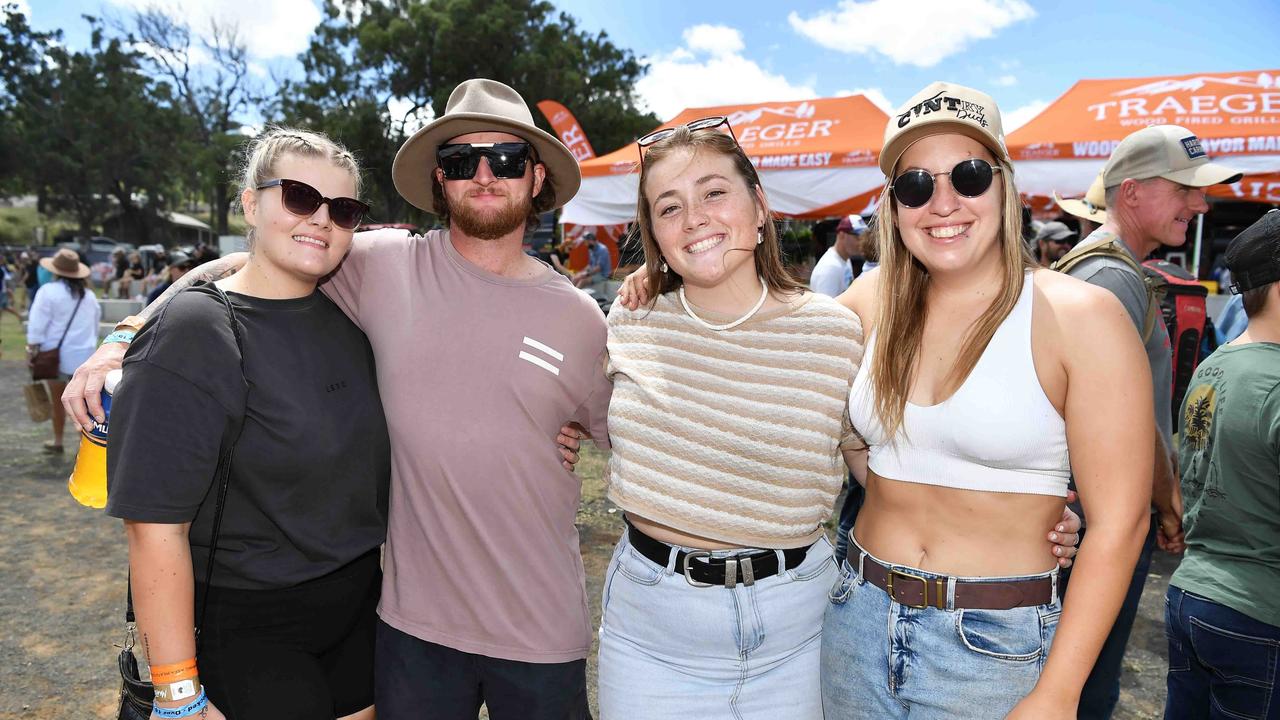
918	591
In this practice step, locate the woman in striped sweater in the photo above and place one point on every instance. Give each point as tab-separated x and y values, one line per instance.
726	425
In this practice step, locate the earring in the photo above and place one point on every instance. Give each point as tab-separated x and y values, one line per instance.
760	235
664	265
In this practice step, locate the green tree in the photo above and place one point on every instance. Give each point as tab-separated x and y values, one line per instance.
89	132
370	52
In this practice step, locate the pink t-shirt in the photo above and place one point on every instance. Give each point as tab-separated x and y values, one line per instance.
477	373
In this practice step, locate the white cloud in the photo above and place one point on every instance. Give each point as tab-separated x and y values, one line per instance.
893	28
268	28
1018	117
711	69
874	94
717	40
196	54
1006	80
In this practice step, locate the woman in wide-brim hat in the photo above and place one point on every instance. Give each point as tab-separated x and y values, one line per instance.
63	315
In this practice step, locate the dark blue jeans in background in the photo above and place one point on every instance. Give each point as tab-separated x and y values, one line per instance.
1222	663
1101	691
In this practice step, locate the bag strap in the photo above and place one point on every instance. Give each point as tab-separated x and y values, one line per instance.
222	475
1107	244
224	468
67	329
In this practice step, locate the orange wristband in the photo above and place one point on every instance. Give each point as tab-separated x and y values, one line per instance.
174	672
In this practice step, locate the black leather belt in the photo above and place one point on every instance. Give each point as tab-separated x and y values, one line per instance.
700	569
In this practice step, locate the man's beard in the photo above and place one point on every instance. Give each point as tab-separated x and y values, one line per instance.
491	224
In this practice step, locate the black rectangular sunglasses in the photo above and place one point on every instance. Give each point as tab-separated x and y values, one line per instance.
303	200
507	160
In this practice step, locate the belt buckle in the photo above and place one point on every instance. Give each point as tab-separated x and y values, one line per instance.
688	563
924	584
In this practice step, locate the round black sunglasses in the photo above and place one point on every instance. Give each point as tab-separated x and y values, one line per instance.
969	178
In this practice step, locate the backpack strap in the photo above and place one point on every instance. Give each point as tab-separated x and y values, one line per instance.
1109	245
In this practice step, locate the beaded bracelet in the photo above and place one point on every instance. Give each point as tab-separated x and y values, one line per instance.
119	336
186	710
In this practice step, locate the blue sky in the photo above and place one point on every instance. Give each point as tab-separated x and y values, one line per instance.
1023	52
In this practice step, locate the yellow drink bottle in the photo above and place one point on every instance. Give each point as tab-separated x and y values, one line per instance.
88	481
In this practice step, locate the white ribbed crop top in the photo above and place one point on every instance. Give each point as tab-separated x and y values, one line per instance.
998	432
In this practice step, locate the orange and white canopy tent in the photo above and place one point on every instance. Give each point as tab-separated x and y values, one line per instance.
816	158
1236	116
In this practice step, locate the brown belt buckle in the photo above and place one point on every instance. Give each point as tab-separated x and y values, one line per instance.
924	585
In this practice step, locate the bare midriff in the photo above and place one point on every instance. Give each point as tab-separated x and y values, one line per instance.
672	536
966	533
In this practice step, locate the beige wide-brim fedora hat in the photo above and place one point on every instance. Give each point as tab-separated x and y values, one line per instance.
480	105
1091	207
943	107
65	263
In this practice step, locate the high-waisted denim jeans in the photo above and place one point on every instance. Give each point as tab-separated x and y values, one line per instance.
881	659
672	651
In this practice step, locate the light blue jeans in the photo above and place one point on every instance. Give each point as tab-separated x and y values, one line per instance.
669	650
885	660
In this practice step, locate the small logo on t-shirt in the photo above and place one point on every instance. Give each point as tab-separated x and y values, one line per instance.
555	356
336	386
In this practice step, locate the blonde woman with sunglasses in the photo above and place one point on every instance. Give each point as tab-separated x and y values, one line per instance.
987	381
267	365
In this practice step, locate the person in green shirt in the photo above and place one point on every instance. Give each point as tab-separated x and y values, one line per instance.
1223	606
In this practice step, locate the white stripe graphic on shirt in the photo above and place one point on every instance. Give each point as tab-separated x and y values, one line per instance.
544	348
540	362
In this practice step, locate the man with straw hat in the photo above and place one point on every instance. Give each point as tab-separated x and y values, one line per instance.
482	353
1154	186
1091	209
64	318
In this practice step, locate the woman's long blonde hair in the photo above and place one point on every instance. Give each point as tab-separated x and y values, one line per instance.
768	254
902	310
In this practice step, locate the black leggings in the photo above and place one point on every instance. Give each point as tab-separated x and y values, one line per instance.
303	652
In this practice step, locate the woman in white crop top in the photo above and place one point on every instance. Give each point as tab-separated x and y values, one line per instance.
727	423
948	605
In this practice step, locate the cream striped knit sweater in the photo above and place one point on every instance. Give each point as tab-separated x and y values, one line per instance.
732	435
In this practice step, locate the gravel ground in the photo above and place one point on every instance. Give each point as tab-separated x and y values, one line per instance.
62	583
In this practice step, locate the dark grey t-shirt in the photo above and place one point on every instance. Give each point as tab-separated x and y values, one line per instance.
311	470
1126	285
